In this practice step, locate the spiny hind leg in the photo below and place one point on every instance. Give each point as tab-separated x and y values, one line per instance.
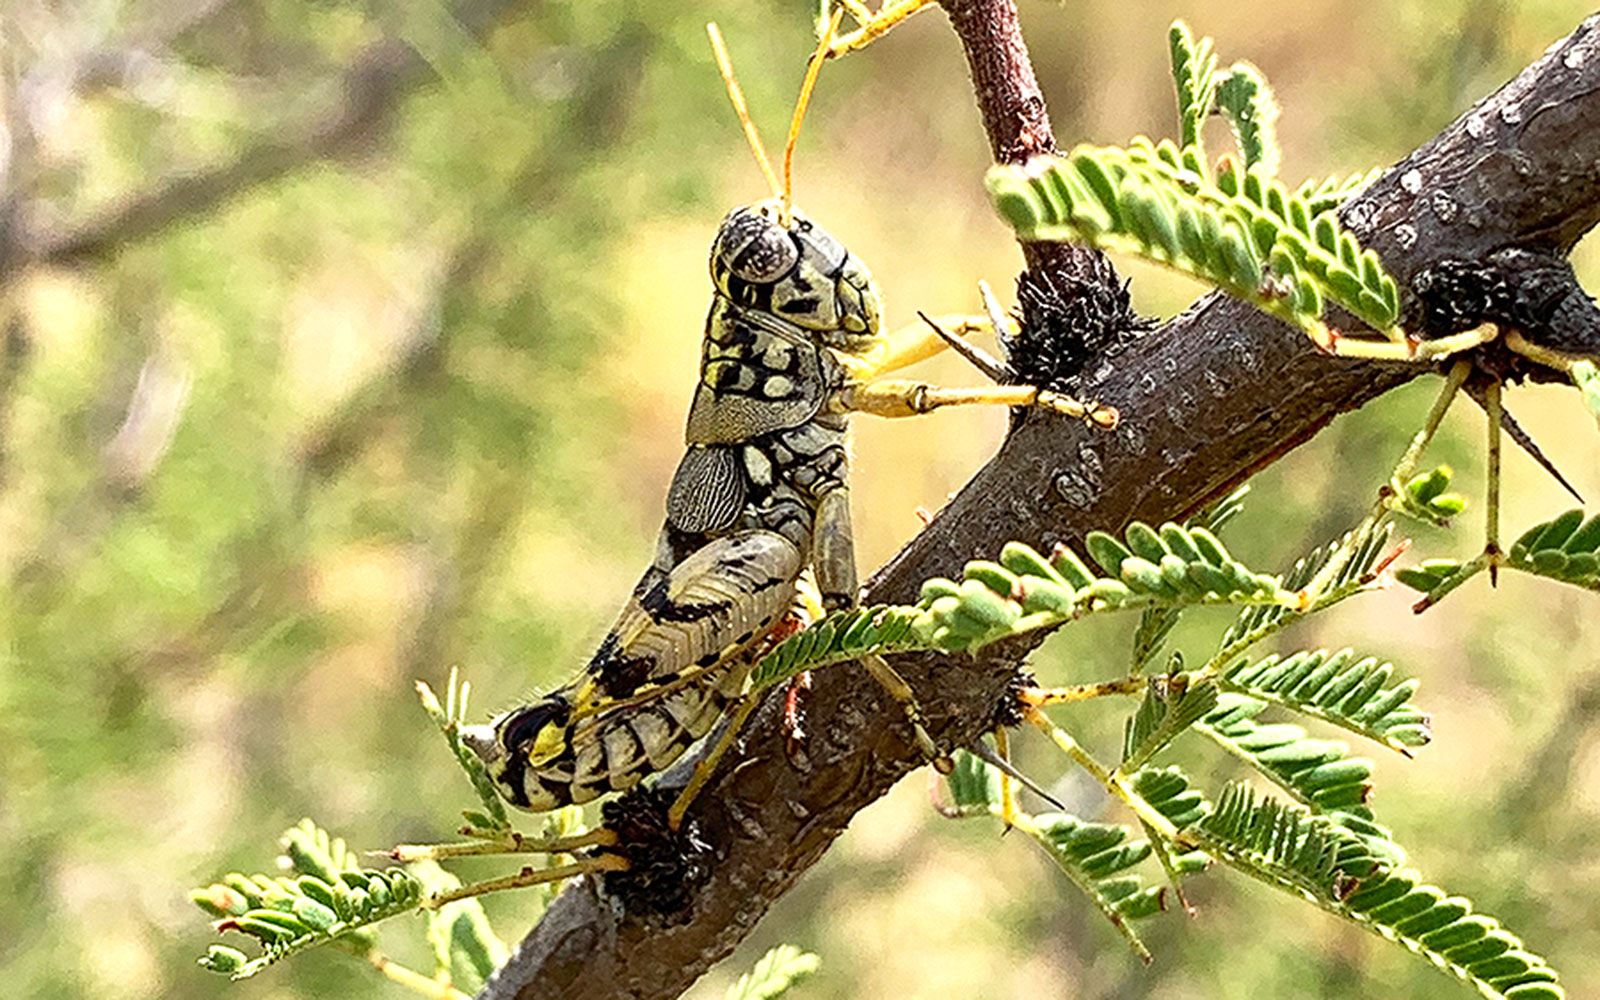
707	764
834	559
803	612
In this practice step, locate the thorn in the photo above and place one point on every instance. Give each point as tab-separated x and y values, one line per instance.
983	752
1525	441
976	356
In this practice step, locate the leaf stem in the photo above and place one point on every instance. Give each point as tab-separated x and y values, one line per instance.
1114	782
526	877
516	843
413	980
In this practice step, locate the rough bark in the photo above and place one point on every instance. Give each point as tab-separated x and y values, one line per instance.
1207	399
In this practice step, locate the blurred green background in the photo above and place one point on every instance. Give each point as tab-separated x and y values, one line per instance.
408	397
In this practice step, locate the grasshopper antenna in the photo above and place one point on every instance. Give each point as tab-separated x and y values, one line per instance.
725	67
813	69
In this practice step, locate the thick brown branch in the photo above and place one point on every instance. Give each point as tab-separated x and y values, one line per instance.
1206	400
1014	115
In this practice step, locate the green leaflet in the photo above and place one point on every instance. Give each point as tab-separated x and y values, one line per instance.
1241	229
1169	707
774	973
1564	548
1156	624
1358	554
330	900
449	717
1245	100
840	637
1194	66
1317	773
1424	497
1587	378
1099	858
1333	867
1096	857
1172	567
1354	694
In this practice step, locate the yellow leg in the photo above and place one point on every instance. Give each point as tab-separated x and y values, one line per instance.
900	691
913	343
873	25
904	398
705	765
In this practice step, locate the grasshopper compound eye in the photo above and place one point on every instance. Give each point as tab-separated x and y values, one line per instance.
753	246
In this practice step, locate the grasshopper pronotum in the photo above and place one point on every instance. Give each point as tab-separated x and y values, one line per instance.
792	347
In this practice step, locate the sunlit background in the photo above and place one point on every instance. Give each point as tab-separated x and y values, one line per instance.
404	392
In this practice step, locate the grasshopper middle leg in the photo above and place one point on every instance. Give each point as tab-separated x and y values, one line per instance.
834	560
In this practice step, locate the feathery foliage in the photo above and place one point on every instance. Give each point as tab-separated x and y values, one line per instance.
1335	868
1586	377
1194	72
773	974
1171	567
1316	773
1424	497
1353	694
1235	226
838	638
450	716
1565	548
329	899
1170	706
1338	568
1246	101
1156	624
1099	858
1167	567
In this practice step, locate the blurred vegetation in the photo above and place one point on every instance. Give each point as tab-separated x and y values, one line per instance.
404	390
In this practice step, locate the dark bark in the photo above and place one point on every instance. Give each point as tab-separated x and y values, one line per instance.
1208	399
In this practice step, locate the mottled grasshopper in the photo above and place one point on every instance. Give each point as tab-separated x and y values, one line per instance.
792	347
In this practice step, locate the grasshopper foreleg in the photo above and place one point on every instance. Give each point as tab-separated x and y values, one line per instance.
906	398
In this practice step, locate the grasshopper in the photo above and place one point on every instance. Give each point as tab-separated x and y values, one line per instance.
792	347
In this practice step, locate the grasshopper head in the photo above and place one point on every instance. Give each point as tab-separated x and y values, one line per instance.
516	745
796	272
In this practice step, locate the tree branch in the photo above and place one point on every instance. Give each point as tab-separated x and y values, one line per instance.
1206	400
370	89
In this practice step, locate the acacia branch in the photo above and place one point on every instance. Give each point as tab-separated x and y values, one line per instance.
1206	400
